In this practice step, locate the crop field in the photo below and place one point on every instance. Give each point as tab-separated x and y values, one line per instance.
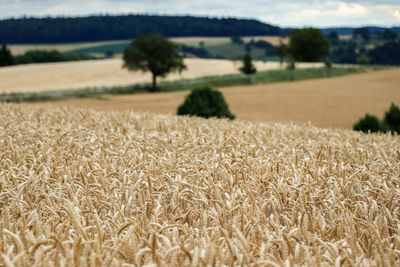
332	102
108	72
20	49
91	188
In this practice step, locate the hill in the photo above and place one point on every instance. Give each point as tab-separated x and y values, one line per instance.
107	72
349	30
101	28
86	188
334	102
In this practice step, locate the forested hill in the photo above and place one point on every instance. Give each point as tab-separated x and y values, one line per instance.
99	28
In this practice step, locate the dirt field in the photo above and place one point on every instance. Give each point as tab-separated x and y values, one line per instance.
109	72
334	102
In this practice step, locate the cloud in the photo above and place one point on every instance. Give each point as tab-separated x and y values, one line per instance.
351	9
396	14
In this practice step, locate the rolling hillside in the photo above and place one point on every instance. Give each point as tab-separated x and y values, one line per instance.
108	72
333	102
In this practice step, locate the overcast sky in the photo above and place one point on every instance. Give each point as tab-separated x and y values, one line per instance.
279	12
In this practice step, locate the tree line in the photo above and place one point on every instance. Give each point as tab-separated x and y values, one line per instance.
37	56
99	28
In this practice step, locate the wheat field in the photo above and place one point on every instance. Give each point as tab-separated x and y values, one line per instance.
90	188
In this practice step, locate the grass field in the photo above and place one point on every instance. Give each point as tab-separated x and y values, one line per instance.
89	188
333	102
100	73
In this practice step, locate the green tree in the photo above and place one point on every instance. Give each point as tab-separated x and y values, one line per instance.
248	67
363	59
291	66
328	66
362	33
205	102
333	38
308	45
389	35
153	53
237	40
392	118
6	57
281	51
370	123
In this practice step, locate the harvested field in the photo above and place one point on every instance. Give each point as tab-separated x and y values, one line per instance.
333	102
108	72
192	41
89	188
20	49
195	41
274	40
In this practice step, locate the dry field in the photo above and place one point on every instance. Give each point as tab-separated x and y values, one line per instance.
108	72
274	40
20	49
90	188
334	102
193	41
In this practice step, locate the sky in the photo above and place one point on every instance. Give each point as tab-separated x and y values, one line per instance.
284	13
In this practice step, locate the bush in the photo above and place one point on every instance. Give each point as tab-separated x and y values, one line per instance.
205	102
370	123
392	118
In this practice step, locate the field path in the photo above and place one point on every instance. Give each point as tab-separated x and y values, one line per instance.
108	72
334	102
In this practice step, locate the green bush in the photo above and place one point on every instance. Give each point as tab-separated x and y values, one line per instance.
370	123
207	103
392	118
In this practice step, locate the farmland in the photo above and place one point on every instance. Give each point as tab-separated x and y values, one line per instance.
333	102
93	188
20	49
108	72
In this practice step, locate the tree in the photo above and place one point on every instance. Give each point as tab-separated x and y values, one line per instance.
281	51
237	40
205	102
248	67
389	35
333	38
153	53
362	33
392	118
387	54
328	66
308	45
362	59
6	57
370	123
291	66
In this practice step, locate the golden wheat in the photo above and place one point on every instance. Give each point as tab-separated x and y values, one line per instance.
87	188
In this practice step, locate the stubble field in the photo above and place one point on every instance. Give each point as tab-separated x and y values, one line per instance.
91	188
108	72
334	102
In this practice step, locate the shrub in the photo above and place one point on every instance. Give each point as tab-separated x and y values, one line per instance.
205	102
392	118
370	123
